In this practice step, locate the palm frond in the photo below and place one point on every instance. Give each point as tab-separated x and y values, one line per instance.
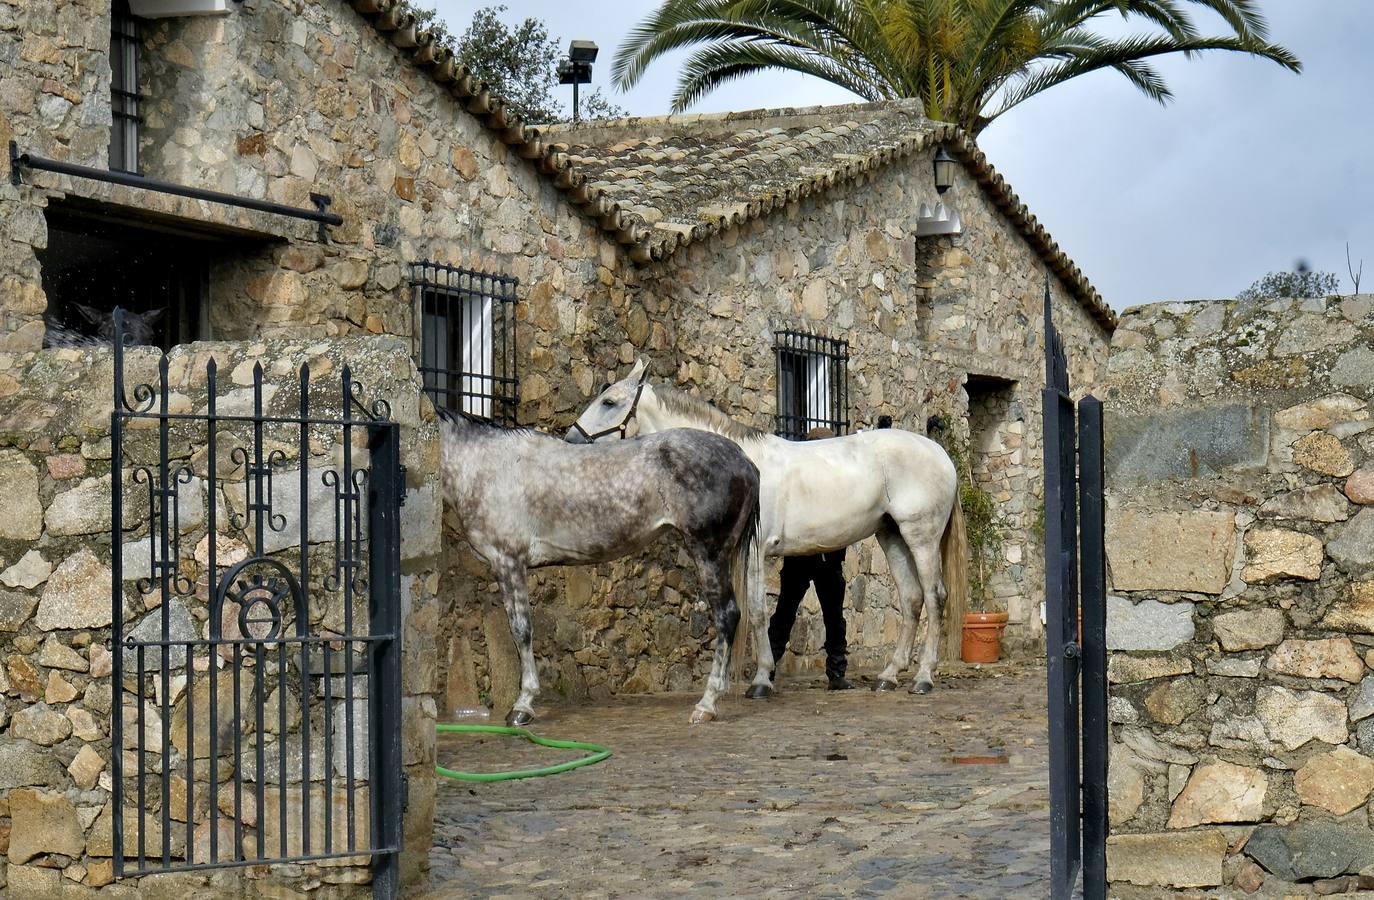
1126	56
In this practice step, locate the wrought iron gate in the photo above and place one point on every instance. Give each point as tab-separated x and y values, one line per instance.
1075	559
260	708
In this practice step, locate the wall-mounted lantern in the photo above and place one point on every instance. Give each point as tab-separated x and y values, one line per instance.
944	170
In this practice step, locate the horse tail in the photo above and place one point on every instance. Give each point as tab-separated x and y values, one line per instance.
745	548
954	563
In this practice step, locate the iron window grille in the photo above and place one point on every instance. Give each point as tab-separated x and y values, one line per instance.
125	99
465	342
813	383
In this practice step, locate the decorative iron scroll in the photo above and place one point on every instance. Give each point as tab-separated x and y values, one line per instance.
253	597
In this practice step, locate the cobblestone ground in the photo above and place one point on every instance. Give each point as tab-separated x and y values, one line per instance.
813	793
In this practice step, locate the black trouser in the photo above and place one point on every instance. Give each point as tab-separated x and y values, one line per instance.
826	571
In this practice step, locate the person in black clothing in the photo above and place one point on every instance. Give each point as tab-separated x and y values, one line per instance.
826	572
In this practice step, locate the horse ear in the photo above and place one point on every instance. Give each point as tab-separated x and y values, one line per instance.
640	371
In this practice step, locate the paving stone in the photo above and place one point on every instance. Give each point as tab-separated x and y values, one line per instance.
823	818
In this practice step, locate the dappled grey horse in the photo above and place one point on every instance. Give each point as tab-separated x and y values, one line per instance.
526	499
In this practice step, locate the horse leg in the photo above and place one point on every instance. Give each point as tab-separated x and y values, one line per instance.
928	567
713	573
904	573
762	686
511	576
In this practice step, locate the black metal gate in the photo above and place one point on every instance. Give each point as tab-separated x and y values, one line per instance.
1075	559
258	647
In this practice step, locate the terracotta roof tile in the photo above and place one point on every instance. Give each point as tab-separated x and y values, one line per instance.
660	183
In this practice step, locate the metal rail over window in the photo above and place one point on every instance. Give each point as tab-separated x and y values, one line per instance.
463	327
125	100
813	383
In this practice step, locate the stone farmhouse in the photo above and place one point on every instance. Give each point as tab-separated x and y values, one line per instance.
293	181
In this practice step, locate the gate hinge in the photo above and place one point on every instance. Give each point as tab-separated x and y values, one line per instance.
1071	650
402	492
405	791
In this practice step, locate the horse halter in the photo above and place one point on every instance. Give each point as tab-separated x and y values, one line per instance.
624	423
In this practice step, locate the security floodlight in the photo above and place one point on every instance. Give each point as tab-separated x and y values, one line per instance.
582	51
944	170
576	68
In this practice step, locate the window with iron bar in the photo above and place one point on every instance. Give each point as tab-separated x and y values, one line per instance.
463	327
813	383
126	43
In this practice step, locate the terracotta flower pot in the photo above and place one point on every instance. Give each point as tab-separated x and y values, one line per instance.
983	636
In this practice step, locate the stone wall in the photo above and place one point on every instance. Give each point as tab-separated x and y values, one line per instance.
1240	465
56	695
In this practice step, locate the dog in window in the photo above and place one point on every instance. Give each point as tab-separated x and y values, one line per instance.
95	328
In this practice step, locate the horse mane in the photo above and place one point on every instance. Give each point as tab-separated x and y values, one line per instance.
707	414
468	420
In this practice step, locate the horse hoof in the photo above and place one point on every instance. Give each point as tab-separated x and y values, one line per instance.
759	691
700	715
882	685
922	687
519	718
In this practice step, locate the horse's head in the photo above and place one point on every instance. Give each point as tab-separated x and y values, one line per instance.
611	415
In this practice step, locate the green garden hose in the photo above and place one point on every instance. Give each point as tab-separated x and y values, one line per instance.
596	755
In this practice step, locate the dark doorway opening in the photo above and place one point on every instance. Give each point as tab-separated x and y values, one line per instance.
96	261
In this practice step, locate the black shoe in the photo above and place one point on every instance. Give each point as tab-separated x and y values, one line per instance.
840	683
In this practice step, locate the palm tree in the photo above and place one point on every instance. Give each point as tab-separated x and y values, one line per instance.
969	61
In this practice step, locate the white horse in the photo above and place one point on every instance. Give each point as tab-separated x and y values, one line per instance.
818	496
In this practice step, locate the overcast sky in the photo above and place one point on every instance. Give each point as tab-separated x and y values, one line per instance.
1248	170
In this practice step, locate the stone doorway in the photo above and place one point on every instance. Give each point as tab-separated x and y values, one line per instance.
997	466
